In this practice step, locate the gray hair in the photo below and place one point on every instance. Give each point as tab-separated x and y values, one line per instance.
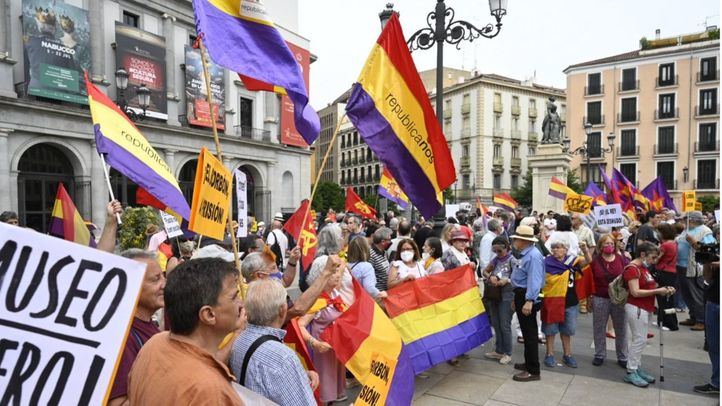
394	223
330	240
558	242
383	233
493	225
316	268
263	300
253	262
137	253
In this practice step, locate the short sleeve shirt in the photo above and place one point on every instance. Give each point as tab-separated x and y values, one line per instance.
646	281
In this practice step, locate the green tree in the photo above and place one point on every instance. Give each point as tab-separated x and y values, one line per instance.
328	195
135	221
573	181
448	195
524	194
709	202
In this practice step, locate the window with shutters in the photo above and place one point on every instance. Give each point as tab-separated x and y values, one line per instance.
594	145
665	170
465	151
708	69
666	74
707	137
629	171
497	150
629	143
497	181
594	83
629	109
514	181
465	181
706	174
708	101
665	140
514	151
629	79
666	105
594	113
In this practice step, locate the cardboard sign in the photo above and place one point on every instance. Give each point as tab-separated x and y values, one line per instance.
609	215
575	203
65	312
172	227
376	386
451	209
211	197
242	197
688	200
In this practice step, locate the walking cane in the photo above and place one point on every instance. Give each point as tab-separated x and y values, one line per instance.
662	312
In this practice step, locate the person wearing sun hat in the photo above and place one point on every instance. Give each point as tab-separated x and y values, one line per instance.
527	279
456	255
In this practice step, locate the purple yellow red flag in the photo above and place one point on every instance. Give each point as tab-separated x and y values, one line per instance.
128	152
558	189
66	222
300	226
294	341
389	188
557	283
391	109
354	204
368	344
505	201
600	199
658	195
439	317
240	36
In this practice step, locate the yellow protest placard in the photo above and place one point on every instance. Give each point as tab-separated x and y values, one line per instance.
688	200
211	197
578	203
376	386
698	206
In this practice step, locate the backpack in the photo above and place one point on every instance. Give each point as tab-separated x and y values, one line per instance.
276	250
618	292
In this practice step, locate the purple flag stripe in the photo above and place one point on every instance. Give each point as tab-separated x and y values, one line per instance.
558	195
385	193
402	385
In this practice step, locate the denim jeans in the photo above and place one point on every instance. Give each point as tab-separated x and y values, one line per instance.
500	314
711	332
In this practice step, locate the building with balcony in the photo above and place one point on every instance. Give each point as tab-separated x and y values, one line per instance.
662	103
359	166
492	124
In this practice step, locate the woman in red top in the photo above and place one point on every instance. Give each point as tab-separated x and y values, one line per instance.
667	274
607	264
642	289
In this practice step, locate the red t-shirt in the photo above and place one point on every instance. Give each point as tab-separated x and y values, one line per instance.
646	282
668	259
604	273
140	332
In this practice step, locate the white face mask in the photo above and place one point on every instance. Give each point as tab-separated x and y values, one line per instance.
407	256
425	256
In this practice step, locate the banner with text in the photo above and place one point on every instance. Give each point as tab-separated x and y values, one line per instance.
142	55
197	110
172	227
56	41
289	134
609	216
211	197
689	200
242	197
65	312
575	203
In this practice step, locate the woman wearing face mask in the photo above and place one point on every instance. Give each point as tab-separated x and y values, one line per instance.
498	296
456	255
406	267
640	303
432	256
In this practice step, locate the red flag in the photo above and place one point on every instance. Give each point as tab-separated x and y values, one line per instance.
143	197
354	204
294	340
301	228
584	283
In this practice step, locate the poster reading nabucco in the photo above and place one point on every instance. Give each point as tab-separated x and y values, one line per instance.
56	39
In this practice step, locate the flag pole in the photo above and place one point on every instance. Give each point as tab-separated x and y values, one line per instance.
219	155
110	188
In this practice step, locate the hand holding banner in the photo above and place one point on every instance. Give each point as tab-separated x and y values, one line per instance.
211	197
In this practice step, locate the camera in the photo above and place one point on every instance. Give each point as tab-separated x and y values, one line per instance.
707	253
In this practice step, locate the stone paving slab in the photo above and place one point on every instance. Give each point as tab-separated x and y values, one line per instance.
547	391
466	387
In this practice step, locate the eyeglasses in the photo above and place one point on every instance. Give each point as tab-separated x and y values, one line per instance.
497	251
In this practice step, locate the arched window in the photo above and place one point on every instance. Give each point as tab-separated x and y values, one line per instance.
186	179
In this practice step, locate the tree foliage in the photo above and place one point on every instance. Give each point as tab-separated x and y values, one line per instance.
135	220
524	194
574	182
329	195
709	202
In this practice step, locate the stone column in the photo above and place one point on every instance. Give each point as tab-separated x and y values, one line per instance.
550	161
170	159
97	42
170	68
100	196
5	198
6	62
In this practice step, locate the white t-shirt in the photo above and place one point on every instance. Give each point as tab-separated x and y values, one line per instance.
282	243
403	270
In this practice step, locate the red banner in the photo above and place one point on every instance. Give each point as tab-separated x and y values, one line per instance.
289	134
354	204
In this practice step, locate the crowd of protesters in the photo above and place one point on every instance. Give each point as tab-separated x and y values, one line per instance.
190	316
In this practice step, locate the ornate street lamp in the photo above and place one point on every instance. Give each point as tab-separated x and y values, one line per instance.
143	93
585	150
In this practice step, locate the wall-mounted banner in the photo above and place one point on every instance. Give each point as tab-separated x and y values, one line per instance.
142	55
609	216
56	42
289	134
242	197
575	203
211	197
65	312
172	227
197	110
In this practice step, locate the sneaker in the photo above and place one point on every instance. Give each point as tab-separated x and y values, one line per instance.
570	361
597	361
550	361
644	375
342	398
665	328
707	389
505	359
493	355
635	379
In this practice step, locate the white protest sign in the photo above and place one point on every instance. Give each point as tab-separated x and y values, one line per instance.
242	197
65	310
716	215
451	210
609	215
172	228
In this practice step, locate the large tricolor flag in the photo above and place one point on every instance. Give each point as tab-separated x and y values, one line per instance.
389	188
294	340
600	199
368	344
240	36
557	283
391	109
300	226
127	151
505	201
558	189
658	195
439	317
65	221
628	192
354	204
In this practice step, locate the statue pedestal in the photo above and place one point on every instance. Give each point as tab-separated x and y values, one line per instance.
550	161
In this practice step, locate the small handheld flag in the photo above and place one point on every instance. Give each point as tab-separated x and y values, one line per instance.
354	204
389	188
558	189
505	201
66	222
304	232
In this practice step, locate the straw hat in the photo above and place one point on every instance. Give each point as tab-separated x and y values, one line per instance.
525	233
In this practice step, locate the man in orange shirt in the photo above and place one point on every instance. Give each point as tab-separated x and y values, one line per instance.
180	367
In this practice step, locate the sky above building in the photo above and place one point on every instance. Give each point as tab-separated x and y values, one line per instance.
541	37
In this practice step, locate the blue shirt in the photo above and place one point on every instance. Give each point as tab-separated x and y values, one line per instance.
528	272
274	370
364	273
683	247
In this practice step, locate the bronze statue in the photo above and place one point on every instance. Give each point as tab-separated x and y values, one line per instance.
551	127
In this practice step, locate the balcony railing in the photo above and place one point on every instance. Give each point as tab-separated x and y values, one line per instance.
465	161
630	151
709	77
532	112
447	113
515	135
666	115
706	146
533	137
515	110
628	117
706	111
593	120
665	149
629	86
498	107
666	83
465	108
465	132
594	90
253	133
706	184
516	162
497	161
377	176
499	132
